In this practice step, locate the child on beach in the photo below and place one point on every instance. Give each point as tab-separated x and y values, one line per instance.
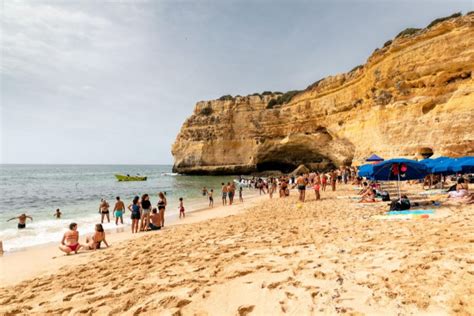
58	213
119	208
95	240
181	208
136	213
155	220
70	241
211	198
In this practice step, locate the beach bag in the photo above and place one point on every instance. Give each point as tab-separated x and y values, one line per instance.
385	196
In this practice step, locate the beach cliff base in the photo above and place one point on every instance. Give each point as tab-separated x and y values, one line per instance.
277	257
413	96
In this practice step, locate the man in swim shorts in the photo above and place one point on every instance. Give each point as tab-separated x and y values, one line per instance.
70	241
224	194
301	183
119	208
21	220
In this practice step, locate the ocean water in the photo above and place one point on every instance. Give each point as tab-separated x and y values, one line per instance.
38	190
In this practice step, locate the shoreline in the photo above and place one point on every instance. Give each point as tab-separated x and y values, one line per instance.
49	259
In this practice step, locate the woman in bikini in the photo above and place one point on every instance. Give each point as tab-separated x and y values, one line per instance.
95	240
70	241
136	213
162	207
146	210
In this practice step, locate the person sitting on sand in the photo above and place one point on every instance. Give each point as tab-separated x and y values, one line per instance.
70	241
21	220
119	209
368	196
211	198
400	205
58	214
95	240
181	208
155	219
462	189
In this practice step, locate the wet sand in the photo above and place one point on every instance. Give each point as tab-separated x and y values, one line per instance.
270	258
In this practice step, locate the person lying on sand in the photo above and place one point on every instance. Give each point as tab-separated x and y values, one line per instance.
462	189
21	220
95	240
70	241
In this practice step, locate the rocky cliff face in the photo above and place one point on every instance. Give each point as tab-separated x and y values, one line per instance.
415	94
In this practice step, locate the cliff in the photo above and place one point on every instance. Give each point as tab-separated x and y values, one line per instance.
415	94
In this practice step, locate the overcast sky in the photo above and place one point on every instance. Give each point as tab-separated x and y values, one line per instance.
112	81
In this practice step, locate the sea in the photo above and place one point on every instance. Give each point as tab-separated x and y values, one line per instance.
38	190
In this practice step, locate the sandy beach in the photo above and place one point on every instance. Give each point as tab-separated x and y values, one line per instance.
270	257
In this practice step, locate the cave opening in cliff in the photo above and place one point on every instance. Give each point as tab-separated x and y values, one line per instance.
284	167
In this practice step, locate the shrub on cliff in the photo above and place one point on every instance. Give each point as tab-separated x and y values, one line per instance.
206	111
282	99
439	20
267	93
271	104
356	68
407	31
226	97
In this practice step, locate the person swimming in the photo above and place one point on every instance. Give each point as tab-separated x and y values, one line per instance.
21	220
58	213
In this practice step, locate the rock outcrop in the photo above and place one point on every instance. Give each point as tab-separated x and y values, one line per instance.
415	94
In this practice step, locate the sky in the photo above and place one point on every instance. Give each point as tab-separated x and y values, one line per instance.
111	82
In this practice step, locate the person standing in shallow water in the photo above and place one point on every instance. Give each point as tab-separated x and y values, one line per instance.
224	194
136	213
211	198
146	210
162	207
119	209
104	210
21	220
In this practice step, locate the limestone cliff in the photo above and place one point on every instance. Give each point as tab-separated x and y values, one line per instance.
414	94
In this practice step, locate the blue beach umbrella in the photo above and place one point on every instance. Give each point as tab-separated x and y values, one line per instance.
444	167
463	165
399	170
374	158
366	170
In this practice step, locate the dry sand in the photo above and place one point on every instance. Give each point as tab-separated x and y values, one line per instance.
325	257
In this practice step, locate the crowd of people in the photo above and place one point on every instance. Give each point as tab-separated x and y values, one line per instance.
146	217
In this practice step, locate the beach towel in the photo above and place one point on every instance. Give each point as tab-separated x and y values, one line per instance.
410	212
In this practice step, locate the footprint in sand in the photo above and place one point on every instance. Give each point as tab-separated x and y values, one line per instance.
245	309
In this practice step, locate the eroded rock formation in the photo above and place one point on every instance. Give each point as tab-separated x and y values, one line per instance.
414	94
